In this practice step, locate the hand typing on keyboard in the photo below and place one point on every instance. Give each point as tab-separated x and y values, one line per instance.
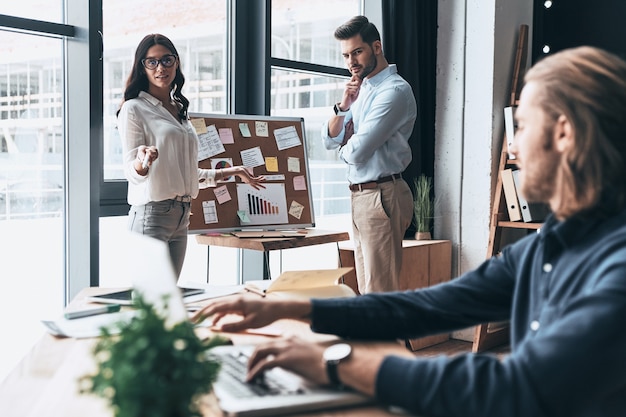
234	373
291	353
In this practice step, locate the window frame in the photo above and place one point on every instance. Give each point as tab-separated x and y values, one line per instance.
80	249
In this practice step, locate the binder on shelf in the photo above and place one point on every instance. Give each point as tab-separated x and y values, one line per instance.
531	212
509	127
538	212
510	195
523	204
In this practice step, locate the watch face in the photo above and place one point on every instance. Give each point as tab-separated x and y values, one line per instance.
339	112
337	352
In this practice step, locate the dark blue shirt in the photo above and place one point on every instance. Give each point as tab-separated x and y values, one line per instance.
564	291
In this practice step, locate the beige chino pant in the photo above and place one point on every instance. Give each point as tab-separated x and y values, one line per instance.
380	217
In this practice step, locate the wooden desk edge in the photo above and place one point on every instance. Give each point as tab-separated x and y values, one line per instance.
314	237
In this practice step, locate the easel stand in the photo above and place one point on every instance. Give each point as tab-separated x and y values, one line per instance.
266	245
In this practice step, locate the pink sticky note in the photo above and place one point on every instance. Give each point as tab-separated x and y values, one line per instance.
299	183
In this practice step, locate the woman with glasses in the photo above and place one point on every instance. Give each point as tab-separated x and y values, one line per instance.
160	148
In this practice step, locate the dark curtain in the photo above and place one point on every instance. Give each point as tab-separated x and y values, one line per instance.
410	42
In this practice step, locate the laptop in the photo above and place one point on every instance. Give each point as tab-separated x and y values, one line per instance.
125	297
278	392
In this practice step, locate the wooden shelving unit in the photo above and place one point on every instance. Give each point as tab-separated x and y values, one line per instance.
502	231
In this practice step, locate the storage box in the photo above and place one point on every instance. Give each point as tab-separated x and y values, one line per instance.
424	263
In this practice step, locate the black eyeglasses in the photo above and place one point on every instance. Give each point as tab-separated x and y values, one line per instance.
166	60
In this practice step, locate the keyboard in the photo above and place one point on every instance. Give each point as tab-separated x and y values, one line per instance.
234	368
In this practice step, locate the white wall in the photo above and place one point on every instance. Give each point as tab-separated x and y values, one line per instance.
475	53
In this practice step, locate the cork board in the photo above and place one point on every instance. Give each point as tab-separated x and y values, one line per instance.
272	146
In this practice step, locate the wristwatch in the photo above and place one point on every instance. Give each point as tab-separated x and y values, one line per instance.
338	111
333	355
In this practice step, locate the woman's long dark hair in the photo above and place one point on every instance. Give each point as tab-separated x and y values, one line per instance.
138	80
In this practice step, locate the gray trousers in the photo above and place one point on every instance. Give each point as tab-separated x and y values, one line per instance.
166	220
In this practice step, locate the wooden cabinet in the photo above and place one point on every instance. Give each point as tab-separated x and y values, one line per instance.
424	263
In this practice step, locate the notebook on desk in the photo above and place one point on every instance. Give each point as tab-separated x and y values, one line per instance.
279	392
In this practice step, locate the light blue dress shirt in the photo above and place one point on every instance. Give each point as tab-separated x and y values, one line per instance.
383	115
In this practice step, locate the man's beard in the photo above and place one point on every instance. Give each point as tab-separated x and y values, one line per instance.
541	183
367	70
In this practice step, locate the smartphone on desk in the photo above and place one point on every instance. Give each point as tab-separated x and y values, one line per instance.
125	297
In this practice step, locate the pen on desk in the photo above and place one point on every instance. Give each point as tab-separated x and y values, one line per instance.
111	308
256	291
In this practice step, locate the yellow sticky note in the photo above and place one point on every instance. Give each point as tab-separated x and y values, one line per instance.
199	125
271	164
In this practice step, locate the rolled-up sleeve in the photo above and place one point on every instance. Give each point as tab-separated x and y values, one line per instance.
132	133
331	143
206	178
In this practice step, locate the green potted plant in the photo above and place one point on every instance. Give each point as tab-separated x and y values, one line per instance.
152	368
423	207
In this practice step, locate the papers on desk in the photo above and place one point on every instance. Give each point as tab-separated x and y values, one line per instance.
88	326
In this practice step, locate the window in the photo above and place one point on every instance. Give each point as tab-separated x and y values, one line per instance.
198	30
308	77
47	10
303	31
31	186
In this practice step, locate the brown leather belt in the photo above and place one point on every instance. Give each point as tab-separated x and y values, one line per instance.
373	184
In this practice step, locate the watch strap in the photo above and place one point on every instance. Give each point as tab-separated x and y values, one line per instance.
338	111
333	375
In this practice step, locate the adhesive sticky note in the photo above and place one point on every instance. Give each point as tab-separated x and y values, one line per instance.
199	125
271	164
296	209
293	164
299	183
261	129
221	194
243	216
245	130
226	135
